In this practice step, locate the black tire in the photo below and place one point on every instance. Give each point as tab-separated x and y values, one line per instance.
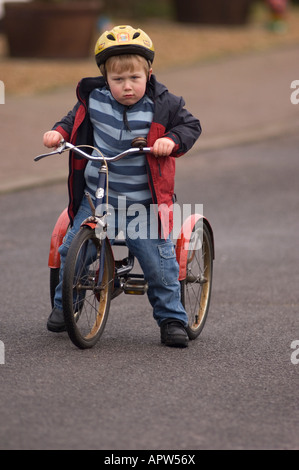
54	280
196	288
85	303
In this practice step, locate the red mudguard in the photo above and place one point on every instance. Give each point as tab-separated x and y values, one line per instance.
91	225
184	239
57	237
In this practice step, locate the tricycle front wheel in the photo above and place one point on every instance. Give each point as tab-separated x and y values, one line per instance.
86	291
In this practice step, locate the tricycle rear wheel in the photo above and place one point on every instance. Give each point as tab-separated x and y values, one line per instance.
196	287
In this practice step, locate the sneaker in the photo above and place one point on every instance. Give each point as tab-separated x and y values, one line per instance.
56	321
173	334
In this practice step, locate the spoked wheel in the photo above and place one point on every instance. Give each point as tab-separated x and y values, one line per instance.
86	299
196	287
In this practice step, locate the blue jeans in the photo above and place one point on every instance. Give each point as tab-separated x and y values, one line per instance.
156	257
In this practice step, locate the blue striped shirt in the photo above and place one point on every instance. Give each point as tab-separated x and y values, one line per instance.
115	126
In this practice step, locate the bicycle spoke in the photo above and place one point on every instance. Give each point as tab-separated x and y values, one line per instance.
86	302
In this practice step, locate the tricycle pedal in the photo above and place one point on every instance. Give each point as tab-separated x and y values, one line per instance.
135	287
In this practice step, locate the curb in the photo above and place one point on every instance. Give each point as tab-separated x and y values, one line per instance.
246	137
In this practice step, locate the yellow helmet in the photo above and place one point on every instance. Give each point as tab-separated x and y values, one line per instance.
123	40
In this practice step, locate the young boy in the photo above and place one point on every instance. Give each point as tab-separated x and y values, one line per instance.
112	110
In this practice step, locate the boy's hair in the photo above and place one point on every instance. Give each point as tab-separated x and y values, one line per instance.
121	63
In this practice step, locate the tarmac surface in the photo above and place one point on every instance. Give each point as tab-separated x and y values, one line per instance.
238	100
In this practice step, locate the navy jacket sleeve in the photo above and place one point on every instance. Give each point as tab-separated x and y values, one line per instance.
182	126
67	122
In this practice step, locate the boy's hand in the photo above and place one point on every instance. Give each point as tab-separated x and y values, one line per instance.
52	139
163	147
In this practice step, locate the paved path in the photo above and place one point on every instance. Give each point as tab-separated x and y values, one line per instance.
238	100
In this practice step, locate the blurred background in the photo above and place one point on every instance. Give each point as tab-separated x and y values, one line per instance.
43	55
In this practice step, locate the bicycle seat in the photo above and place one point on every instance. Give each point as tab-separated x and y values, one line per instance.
139	142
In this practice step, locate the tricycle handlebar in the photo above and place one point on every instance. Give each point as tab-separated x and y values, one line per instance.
67	146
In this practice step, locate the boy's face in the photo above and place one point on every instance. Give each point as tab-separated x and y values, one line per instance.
129	86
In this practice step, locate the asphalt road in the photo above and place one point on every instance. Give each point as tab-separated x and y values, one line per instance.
233	388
